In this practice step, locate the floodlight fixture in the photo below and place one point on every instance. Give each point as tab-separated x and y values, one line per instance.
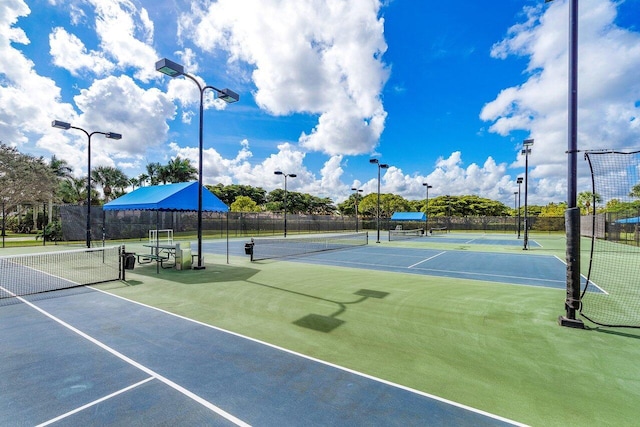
59	124
426	207
380	166
170	68
173	69
285	175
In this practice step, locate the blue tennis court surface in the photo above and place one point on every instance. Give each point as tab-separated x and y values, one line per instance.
520	269
480	239
90	358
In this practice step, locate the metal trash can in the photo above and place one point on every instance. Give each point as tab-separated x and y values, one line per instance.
248	248
129	259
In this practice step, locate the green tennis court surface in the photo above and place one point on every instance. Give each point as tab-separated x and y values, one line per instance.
459	351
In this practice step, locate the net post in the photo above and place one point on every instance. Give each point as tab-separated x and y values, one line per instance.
122	262
572	302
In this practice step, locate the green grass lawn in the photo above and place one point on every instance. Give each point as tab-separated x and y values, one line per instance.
495	347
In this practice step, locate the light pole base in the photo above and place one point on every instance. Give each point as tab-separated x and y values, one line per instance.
570	323
199	267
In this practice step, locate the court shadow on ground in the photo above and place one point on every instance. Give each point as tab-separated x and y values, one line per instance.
212	273
631	333
56	293
321	322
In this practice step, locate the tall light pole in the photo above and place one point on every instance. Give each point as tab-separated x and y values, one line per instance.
527	143
519	181
426	207
111	135
380	166
357	190
290	175
572	214
173	69
515	208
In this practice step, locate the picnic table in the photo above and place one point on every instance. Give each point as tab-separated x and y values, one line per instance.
160	253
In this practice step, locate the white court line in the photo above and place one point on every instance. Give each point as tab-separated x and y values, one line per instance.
143	368
323	362
427	259
591	282
95	402
455	273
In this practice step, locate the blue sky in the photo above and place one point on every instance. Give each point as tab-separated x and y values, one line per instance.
444	92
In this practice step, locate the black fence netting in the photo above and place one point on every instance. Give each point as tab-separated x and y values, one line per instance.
611	295
121	225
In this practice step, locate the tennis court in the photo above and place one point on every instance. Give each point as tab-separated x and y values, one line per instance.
397	333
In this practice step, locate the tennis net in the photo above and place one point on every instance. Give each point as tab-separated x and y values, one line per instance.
438	230
405	234
268	248
43	272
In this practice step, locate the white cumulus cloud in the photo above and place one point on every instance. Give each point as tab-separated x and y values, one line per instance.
322	58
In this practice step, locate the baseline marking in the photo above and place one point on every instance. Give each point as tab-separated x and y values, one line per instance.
323	362
95	402
427	259
590	281
143	368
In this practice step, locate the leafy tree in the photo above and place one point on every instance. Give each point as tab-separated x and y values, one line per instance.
389	203
553	210
615	205
244	204
229	193
348	207
300	203
24	179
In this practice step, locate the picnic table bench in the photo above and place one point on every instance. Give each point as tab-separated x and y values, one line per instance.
159	253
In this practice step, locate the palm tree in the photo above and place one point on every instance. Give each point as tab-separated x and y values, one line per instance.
585	198
60	167
110	178
140	180
153	172
179	170
72	190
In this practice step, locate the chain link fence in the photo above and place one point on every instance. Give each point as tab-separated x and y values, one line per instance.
122	225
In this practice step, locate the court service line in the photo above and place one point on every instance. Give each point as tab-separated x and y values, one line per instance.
95	402
323	362
581	275
452	273
427	259
143	368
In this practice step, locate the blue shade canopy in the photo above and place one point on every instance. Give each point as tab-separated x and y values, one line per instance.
171	197
633	220
408	216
